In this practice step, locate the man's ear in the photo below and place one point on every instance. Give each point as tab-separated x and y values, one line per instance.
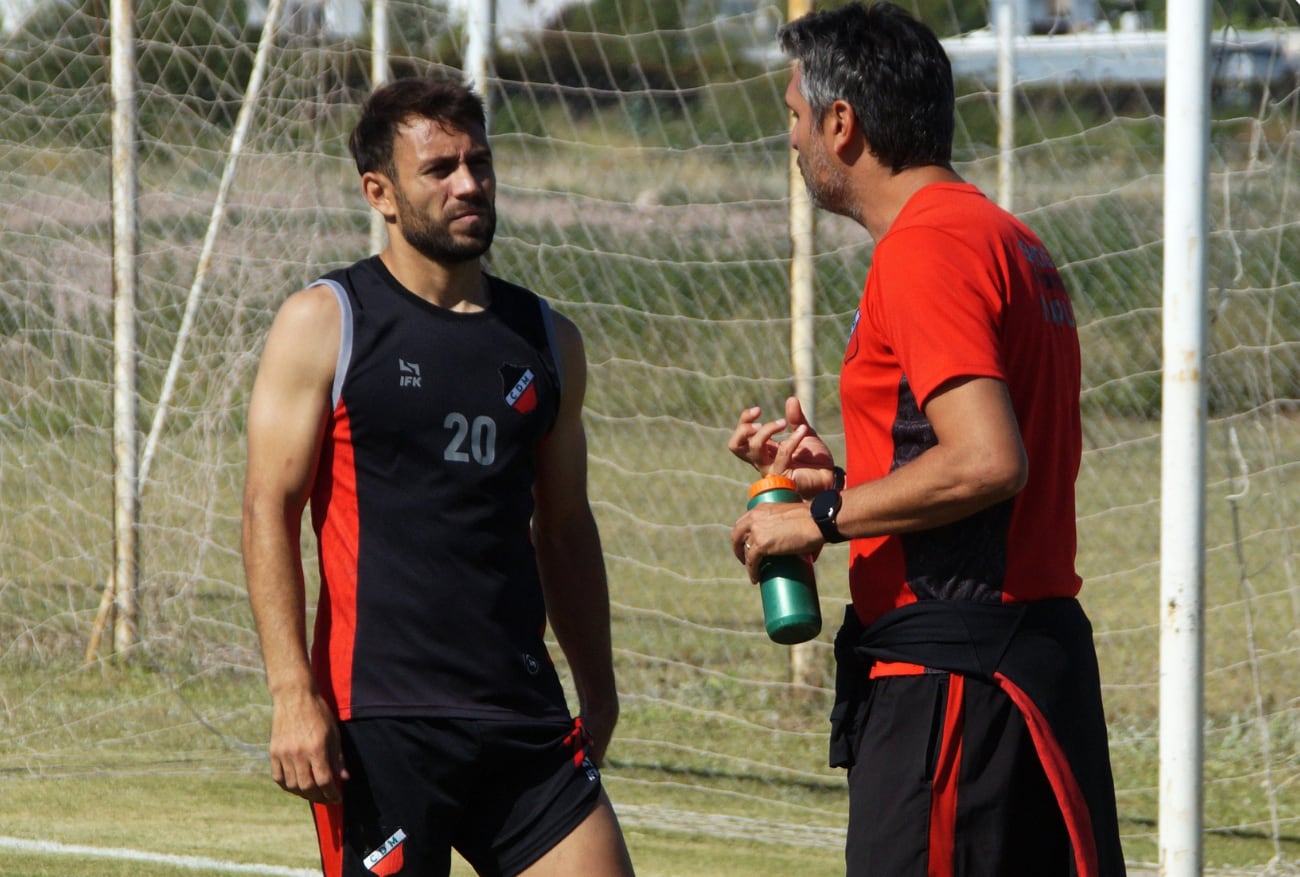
377	189
842	131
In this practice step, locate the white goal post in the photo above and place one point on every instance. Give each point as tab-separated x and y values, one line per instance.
1182	481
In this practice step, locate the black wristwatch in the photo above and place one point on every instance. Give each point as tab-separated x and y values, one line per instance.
824	508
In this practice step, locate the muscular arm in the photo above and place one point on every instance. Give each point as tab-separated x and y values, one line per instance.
978	461
569	555
286	417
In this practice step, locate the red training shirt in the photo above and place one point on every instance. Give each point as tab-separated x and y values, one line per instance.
958	287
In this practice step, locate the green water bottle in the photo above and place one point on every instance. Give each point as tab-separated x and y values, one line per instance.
791	612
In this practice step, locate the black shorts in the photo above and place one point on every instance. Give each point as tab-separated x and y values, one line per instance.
946	783
501	793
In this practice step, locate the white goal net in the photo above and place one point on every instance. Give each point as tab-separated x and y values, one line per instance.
642	158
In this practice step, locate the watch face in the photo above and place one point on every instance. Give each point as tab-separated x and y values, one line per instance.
825	506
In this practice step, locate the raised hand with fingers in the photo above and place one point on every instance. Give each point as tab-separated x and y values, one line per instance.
801	456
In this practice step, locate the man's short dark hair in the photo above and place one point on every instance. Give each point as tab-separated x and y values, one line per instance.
889	67
445	101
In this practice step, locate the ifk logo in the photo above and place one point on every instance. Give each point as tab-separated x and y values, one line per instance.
410	372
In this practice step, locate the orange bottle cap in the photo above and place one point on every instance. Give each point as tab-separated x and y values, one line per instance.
770	482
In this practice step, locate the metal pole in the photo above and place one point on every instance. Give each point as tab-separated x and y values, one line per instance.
125	190
803	302
243	123
1183	410
480	39
1005	22
378	76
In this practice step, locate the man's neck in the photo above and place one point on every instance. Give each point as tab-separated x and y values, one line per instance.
889	193
456	286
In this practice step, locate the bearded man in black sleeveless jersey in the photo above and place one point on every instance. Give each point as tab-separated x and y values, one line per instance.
431	414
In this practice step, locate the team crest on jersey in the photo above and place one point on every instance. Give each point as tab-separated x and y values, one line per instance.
520	384
389	857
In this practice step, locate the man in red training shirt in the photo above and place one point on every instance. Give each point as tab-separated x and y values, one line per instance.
968	706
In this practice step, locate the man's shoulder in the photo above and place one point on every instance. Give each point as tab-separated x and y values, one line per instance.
349	275
512	302
948	207
502	287
951	218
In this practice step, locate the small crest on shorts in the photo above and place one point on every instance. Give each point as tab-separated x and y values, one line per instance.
388	858
531	664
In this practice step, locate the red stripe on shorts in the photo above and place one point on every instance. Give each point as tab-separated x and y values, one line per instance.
1074	808
943	791
329	835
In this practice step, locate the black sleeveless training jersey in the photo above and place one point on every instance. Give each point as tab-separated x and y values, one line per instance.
430	602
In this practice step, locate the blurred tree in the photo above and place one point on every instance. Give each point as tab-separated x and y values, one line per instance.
197	50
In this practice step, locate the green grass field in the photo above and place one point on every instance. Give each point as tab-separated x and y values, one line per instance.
165	755
248	821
